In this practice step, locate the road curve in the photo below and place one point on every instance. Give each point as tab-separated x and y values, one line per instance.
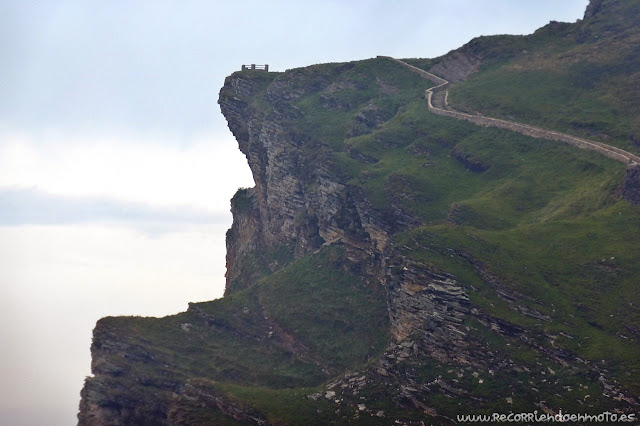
443	109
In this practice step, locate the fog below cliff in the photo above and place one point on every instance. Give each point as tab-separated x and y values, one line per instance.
116	166
64	278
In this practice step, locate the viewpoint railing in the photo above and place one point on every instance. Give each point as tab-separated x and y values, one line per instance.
256	67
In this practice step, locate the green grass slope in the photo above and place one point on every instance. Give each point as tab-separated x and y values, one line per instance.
580	78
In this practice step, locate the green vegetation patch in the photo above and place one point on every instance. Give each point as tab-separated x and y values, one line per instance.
336	314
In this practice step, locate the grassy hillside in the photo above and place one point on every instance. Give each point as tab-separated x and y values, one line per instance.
579	78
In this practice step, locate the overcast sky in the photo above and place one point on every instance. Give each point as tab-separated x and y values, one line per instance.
116	166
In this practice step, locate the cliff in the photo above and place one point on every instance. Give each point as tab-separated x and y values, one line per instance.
396	266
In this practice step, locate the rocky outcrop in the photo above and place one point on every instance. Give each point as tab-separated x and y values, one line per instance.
631	185
457	65
243	241
593	8
300	198
422	300
200	395
117	394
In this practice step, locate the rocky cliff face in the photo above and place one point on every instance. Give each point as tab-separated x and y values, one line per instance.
631	185
301	199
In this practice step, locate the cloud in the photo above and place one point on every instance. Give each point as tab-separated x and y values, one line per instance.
129	168
34	207
56	281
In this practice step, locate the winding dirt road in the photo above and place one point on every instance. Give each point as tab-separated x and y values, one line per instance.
439	95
